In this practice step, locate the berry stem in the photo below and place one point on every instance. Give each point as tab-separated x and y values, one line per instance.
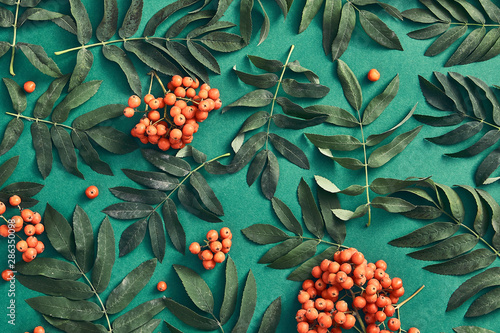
38	120
367	184
153	74
409	298
11	66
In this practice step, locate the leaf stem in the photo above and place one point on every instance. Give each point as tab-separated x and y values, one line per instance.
319	240
483	121
96	294
38	120
276	93
475	24
218	322
11	66
363	141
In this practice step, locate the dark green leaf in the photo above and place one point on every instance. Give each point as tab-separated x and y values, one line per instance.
39	58
430	31
377	30
264	234
63	308
263	81
445	40
117	55
280	250
221	9
150	197
390	185
84	239
173	226
4	48
130	286
148	327
254	99
304	90
266	25
384	154
339	142
472	286
45	102
468	45
59	233
266	64
74	99
203	56
178	26
73	290
270	175
487	166
105	256
89	154
296	256
138	316
350	85
256	120
150	56
157	236
471	329
447	249
292	109
331	20
109	22
84	61
444	121
336	115
424	213
128	210
295	67
23	189
420	15
6	18
37	14
271	317
67	23
349	163
163	14
7	169
17	95
248	302
191	204
283	121
230	292
303	272
491	10
189	150
454	9
458	134
473	12
481	221
97	116
485	47
464	264
475	100
155	180
490	95
197	289
455	203
207	28
286	216
49	267
310	212
437	10
246	7
494	206
43	147
255	168
391	10
168	163
425	235
75	326
380	102
486	303
189	317
435	96
83	25
289	151
112	139
392	205
247	151
207	195
223	41
346	27
334	226
310	10
132	19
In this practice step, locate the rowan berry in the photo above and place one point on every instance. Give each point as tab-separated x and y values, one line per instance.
212	235
219	257
7	275
350	321
154	115
359	272
325	321
359	302
170	86
324	264
161	286
203	94
2	208
148	98
379	274
226	243
29	86
39	329
339	318
176	80
372	328
325	276
357	258
30	254
195	83
386	282
92	192
217	104
134	101
213	94
204	106
394	324
151	130
340	277
413	330
15	200
18	222
336	329
207	255
208	264
164	144
4	230
333	267
345	255
381	264
154	104
302	327
308	304
396	283
380	316
311	313
187	81
128	112
180	92
169	98
215	246
303	296
373	75
398	292
190	92
370	318
29	230
389	310
22	246
300	315
370	308
32	241
370	298
144	139
329	305
346	268
179	119
189	112
333	292
176	134
27	215
205	87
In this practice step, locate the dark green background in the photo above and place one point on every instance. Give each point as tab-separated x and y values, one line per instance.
245	206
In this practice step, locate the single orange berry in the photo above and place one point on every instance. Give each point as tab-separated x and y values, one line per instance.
176	134
14	200
29	230
176	80
226	243
40	247
212	235
217	104
22	246
180	92
209	264
154	104
32	241
195	84
128	112
413	330
213	93
154	115
164	144
373	75
39	329
37	218
134	101
148	98
180	103
153	139
4	230
189	112
203	94
225	232
180	119
30	254
169	99
7	275
139	128
18	222
201	116
207	255
190	92
205	87
394	324
92	192
3	208
187	81
161	286
194	248
29	86
219	257
151	130
215	246
27	215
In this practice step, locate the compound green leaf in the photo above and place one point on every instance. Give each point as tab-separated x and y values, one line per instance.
430	31
223	41
377	30
445	40
266	64
163	14
112	140
90	119
264	234
39	58
150	56
280	250
73	290
89	154
118	56
196	288
331	20
61	307
289	151
464	264
191	204
310	10
485	304
189	317
468	45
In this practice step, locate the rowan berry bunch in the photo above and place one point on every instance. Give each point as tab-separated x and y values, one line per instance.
28	221
170	121
349	290
217	245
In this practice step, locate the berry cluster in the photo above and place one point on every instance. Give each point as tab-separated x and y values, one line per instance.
27	220
217	244
183	108
372	294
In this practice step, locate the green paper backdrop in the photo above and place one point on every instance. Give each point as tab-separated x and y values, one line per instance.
245	205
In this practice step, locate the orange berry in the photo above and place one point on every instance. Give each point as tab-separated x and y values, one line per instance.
140	128
224	231
204	106
180	103
396	283
37	218
213	94
39	329
128	112
194	248
312	292
29	86
161	286
189	112
205	87
212	235
195	83
203	94
27	215
176	134
187	81
217	104
188	130
357	258
134	101
148	98
226	243
14	200
161	129
169	99
312	313
162	103
389	310
180	92
201	116
153	139
176	80
32	241
2	208
18	222
359	302
22	246
151	130
349	323
30	254
394	324
164	144
373	75
145	120
174	111
207	255
154	104
154	116
92	192
40	247
219	257
179	119
7	275
215	246
302	327
190	92
29	230
413	330
4	230
208	264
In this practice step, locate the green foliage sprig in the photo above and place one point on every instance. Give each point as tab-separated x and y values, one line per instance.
471	329
155	51
339	22
202	297
35	53
449	20
458	252
25	190
67	305
57	135
294	117
374	159
474	106
299	249
144	204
